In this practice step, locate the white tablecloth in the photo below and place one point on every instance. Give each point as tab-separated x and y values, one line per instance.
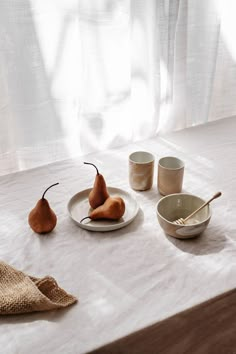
131	278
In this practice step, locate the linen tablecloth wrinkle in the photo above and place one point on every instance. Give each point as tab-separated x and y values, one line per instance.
20	293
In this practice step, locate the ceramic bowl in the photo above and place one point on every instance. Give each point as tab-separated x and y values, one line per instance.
180	205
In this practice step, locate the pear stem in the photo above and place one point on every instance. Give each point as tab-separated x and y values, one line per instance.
88	163
86	217
48	189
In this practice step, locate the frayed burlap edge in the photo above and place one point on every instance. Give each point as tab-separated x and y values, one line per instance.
20	293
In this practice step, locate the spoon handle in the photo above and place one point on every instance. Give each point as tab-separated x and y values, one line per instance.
217	195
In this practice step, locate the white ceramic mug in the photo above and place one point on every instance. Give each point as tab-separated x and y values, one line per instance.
141	170
170	175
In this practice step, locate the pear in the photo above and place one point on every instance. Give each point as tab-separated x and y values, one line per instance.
99	193
112	209
42	218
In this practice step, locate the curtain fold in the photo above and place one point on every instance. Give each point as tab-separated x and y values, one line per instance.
77	76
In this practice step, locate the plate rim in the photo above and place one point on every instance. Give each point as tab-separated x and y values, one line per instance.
104	228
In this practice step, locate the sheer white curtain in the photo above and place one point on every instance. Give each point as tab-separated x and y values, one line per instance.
81	75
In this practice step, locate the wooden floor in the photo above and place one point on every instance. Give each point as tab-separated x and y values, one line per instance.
209	328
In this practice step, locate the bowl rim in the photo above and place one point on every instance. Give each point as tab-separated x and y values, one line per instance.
183	225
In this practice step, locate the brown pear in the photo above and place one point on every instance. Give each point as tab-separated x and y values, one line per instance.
112	209
99	193
42	218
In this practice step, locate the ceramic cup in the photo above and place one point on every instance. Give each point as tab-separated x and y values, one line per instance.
141	170
170	175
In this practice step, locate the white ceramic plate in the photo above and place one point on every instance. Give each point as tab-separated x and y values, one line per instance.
79	207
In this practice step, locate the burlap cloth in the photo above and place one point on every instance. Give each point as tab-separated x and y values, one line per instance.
21	293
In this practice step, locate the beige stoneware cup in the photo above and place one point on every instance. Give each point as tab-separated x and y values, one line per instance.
141	170
170	175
